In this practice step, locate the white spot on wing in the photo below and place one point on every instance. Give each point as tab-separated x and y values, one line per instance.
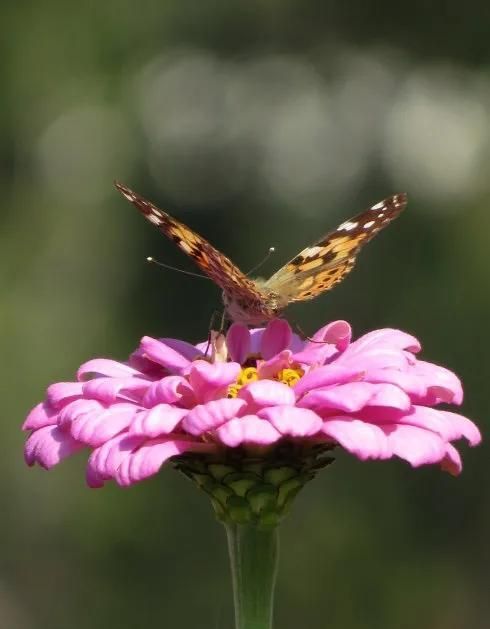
347	226
379	206
312	252
368	224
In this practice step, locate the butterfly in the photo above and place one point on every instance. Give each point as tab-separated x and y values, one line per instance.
313	271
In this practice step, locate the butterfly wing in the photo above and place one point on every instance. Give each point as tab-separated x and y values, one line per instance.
322	265
211	261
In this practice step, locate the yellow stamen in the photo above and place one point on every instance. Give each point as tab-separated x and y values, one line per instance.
233	390
290	376
246	375
249	374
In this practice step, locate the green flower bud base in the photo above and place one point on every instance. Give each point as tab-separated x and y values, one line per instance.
255	487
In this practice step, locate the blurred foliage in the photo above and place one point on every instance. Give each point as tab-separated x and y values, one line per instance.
258	123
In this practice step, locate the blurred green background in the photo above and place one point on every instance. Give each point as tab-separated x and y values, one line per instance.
258	123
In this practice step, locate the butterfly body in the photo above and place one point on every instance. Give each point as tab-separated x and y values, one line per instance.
252	311
313	271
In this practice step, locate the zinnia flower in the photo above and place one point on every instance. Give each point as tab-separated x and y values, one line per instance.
263	395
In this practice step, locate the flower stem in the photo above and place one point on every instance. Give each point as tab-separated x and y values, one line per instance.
253	555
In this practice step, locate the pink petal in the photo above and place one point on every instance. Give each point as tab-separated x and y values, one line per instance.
160	420
189	351
386	337
295	422
206	417
377	415
354	396
209	381
325	376
145	366
104	461
170	390
96	427
41	415
269	368
164	355
61	392
326	343
415	445
247	429
93	480
262	393
276	337
238	342
295	345
338	333
376	357
106	367
75	409
449	426
256	340
409	381
149	458
108	390
452	461
365	441
317	354
442	385
50	445
463	427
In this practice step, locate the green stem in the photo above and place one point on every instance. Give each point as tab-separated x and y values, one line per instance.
253	556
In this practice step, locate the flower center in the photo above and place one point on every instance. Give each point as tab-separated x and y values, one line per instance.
250	374
246	375
290	376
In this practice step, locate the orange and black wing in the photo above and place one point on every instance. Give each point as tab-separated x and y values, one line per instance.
211	261
320	266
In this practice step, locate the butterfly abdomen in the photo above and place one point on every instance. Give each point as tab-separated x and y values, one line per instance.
251	312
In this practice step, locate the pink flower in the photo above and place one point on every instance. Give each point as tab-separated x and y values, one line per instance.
260	389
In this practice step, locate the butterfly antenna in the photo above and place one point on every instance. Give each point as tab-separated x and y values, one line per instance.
263	261
174	268
306	337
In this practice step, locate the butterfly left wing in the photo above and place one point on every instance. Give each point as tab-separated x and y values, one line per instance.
215	264
322	265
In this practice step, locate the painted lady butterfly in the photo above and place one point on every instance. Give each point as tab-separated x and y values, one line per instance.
314	270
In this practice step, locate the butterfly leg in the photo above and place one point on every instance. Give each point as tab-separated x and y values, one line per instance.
210	330
223	323
222	328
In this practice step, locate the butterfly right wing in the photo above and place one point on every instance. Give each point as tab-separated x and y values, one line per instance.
324	264
211	261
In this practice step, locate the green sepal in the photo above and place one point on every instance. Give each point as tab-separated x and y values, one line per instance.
255	487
